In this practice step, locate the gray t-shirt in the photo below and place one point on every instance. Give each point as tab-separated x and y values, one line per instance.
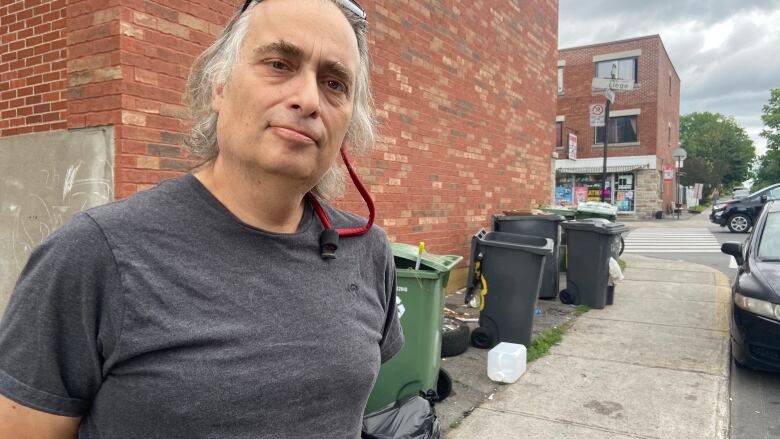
164	316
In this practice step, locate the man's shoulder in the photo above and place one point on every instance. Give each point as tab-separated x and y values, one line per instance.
151	204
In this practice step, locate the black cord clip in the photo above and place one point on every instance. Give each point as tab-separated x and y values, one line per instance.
329	243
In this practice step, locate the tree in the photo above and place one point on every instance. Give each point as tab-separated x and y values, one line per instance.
768	165
720	153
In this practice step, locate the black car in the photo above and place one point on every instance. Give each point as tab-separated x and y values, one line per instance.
740	215
755	317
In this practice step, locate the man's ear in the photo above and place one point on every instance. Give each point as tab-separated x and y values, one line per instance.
216	97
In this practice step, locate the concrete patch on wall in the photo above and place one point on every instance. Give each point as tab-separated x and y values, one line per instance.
44	180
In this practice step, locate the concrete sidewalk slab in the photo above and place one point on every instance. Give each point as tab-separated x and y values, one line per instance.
697	350
653	365
498	425
674	276
682	313
645	289
620	398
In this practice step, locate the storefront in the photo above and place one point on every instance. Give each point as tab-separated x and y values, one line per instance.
577	181
571	189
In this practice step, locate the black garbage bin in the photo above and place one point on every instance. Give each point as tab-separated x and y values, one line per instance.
506	271
590	244
543	226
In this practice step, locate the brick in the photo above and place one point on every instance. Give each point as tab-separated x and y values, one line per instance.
132	118
105	15
173	29
130	30
193	22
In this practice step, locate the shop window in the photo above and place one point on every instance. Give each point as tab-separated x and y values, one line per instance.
621	130
617	68
559	134
625	192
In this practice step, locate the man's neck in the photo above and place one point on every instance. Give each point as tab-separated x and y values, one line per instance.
263	202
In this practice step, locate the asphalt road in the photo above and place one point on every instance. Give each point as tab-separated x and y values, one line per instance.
755	396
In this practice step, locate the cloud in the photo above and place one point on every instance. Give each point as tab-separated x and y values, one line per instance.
726	53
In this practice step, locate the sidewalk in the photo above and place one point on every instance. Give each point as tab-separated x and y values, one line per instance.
653	365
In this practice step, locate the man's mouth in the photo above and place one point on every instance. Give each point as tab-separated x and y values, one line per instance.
295	135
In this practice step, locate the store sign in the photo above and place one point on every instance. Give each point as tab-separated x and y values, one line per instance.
572	146
668	173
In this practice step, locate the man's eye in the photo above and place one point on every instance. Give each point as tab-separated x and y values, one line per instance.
336	86
278	65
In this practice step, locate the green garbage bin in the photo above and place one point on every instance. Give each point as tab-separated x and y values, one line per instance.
596	209
420	295
564	211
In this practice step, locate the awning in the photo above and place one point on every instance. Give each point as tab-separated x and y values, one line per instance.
614	169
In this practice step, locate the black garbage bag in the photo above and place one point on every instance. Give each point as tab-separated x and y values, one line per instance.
410	418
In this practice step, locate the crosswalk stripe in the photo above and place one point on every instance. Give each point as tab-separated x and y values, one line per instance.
671	241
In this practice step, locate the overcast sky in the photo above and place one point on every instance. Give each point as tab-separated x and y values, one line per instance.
727	52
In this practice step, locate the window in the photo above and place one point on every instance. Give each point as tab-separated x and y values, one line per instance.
769	247
560	80
559	134
621	130
617	68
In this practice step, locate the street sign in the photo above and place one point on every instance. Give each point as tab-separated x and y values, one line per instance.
572	146
611	84
668	173
597	115
610	95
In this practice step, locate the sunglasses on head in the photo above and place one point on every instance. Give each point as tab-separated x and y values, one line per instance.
352	5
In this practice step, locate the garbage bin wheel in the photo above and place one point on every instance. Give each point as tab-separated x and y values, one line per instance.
566	297
443	386
454	337
482	338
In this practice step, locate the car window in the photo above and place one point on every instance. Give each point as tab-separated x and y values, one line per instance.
774	194
769	246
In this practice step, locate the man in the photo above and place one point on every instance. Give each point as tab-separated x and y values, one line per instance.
203	307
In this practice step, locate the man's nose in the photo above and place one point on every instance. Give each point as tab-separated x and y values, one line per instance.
306	95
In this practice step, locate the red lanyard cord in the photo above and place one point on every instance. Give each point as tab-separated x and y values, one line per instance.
353	231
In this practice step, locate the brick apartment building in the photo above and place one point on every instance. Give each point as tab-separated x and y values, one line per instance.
91	110
644	126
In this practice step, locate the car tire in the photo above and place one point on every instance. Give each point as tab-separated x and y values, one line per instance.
739	223
482	338
454	337
443	386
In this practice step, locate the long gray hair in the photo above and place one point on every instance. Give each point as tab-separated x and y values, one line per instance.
213	67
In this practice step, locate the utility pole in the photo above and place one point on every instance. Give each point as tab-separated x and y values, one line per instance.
606	142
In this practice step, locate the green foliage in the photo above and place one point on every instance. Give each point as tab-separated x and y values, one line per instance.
768	165
697	209
546	340
581	309
720	152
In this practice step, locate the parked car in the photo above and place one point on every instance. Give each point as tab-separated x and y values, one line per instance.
740	192
755	317
740	215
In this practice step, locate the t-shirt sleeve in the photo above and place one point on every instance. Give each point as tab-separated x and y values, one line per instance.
392	335
58	327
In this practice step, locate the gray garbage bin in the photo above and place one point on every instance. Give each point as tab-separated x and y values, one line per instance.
506	271
590	245
543	226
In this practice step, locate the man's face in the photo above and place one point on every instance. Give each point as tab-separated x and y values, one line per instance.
287	104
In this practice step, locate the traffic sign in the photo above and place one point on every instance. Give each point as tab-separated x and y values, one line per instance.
597	115
611	84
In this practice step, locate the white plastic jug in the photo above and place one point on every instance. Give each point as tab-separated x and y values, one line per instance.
506	362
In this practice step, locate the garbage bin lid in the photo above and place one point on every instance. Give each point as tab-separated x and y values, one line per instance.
597	207
440	263
537	217
596	225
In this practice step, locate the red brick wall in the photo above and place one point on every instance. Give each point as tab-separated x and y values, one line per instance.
32	66
651	96
466	97
465	92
